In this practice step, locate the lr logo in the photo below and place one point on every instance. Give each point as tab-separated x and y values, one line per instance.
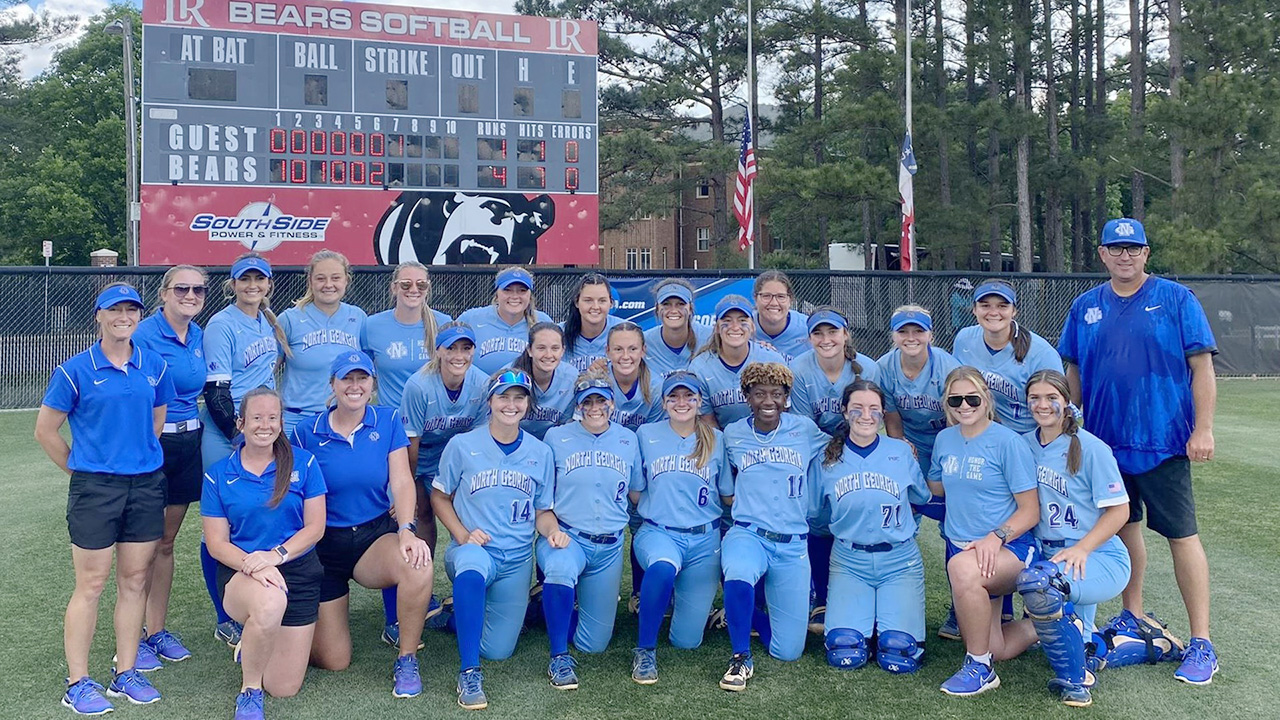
564	34
184	12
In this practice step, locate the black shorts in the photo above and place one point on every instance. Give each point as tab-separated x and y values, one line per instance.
1165	490
302	577
104	509
183	469
342	547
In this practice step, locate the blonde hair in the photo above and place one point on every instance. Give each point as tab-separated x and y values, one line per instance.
429	328
973	375
320	256
264	306
167	279
713	345
768	373
530	312
1070	427
690	342
643	378
433	365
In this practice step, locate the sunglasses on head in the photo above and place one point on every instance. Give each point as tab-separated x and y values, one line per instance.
955	400
409	284
197	290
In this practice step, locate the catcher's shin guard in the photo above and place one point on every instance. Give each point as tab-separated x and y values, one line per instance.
1044	592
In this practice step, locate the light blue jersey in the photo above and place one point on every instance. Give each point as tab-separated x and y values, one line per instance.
918	401
631	409
869	499
496	492
793	341
664	359
593	474
553	406
588	350
816	397
724	397
674	492
498	343
397	351
241	350
1070	505
433	416
315	339
980	478
1007	377
768	487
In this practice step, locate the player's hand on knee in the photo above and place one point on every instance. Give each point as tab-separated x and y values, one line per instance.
558	539
986	550
1075	558
414	549
271	577
479	537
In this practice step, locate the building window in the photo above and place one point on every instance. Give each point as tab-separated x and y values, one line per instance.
632	255
704	239
704	188
646	259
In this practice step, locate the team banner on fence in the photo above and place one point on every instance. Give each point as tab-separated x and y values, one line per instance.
636	302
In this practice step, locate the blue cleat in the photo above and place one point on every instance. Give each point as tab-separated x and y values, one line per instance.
950	629
168	646
471	690
1125	621
1199	663
134	687
818	620
561	672
741	668
1069	694
228	632
971	679
408	681
439	615
249	705
84	697
644	666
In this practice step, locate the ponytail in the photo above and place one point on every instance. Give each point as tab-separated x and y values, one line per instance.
264	306
433	365
265	309
1021	339
835	446
704	442
429	325
1070	427
280	448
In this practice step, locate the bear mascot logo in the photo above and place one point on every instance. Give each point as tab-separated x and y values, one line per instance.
463	228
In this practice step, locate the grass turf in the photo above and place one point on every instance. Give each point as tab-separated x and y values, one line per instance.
1237	510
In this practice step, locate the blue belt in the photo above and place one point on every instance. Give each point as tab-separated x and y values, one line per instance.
702	529
770	535
605	539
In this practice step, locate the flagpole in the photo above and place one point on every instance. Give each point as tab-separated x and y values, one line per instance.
906	26
751	89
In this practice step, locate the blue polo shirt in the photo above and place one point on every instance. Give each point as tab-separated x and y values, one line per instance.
397	351
185	361
110	410
315	339
357	468
241	497
1132	353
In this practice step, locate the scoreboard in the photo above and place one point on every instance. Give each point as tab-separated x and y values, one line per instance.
389	133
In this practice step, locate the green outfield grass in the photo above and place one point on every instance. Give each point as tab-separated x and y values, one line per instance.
1238	506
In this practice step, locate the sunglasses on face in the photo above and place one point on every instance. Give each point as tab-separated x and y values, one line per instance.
410	284
197	290
972	400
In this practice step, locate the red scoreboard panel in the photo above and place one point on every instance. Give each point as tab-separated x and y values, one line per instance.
386	132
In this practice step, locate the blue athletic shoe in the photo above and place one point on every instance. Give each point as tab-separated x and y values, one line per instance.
560	671
391	636
1199	663
134	687
1070	694
228	632
249	705
168	646
1125	621
818	620
644	666
471	690
950	629
971	679
84	697
144	661
741	668
439	614
408	681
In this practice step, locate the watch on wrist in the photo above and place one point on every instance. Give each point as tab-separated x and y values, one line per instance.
283	552
410	526
1003	533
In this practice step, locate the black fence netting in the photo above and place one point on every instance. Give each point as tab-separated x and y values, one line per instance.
46	315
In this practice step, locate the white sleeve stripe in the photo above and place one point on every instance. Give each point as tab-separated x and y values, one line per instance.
217	378
70	382
1112	502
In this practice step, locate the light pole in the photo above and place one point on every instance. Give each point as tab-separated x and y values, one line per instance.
124	28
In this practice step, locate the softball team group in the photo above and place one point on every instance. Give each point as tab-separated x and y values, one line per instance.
761	460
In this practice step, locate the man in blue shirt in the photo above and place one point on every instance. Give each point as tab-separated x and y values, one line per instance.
1139	353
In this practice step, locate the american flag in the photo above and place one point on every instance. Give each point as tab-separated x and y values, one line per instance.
744	189
906	169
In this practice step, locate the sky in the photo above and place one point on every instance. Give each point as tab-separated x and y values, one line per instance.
35	58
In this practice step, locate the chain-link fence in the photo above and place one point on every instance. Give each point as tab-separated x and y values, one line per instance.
46	315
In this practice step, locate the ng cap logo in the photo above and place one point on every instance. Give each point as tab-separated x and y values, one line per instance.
1124	229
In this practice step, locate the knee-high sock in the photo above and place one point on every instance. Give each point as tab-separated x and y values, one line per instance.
738	606
389	607
209	568
557	608
655	596
468	614
760	615
820	565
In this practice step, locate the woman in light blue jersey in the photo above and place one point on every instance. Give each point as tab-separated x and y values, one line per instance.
553	379
1006	352
678	335
318	328
636	391
912	375
865	485
588	321
502	327
719	363
400	340
988	477
780	326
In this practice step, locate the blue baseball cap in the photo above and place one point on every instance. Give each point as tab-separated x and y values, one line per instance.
674	290
508	379
113	296
346	362
450	335
682	379
997	288
1124	231
903	318
244	265
827	317
587	387
511	276
732	302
